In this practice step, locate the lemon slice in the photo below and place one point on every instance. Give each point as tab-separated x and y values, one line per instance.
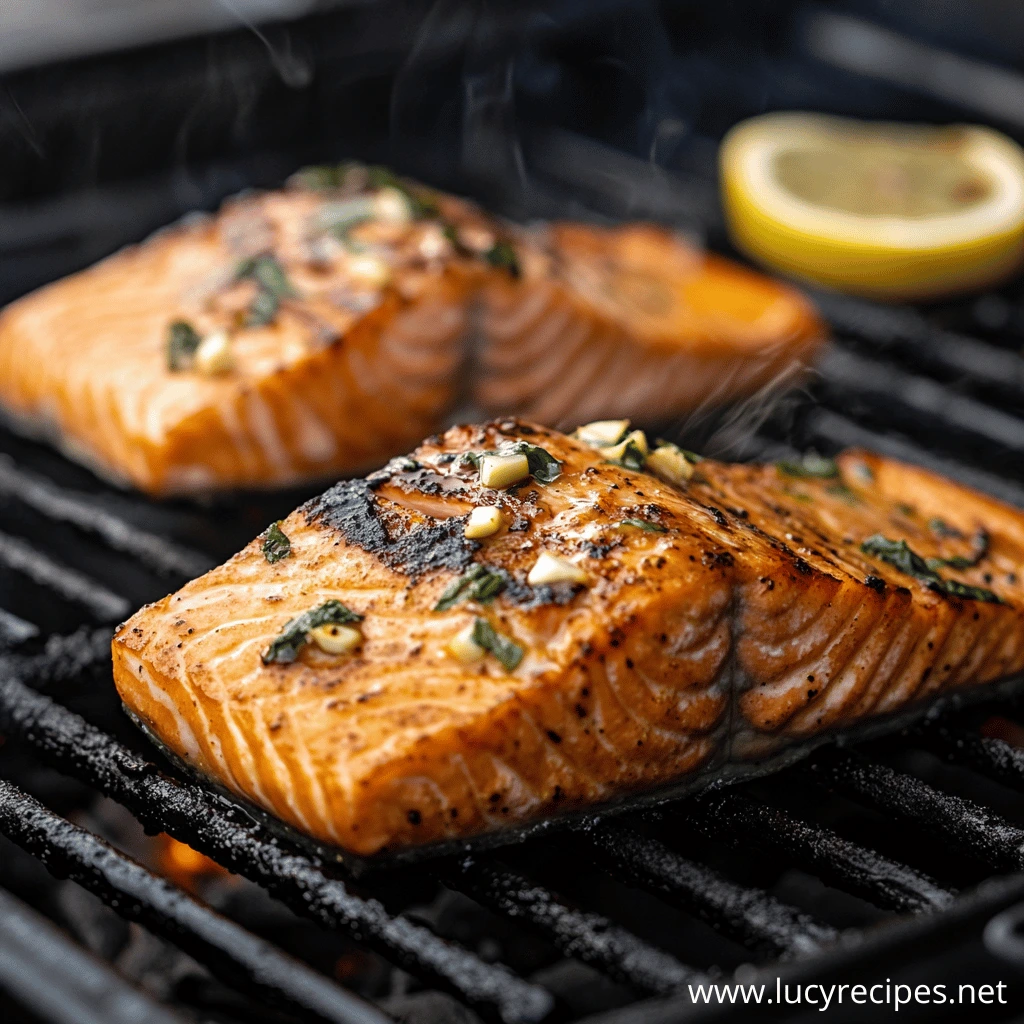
878	209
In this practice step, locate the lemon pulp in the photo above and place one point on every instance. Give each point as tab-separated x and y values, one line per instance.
886	210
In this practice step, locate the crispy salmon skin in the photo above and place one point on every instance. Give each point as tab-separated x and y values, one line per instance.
297	334
380	680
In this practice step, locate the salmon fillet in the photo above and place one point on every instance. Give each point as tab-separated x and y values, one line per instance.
319	330
329	324
632	321
377	679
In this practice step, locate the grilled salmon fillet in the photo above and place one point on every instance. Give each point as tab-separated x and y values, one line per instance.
299	333
632	321
378	679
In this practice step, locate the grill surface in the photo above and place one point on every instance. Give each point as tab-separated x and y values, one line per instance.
870	863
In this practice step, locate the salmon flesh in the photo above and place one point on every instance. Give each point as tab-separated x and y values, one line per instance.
380	681
321	329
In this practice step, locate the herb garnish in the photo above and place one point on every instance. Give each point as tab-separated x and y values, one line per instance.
632	457
276	544
979	546
503	255
642	524
481	583
182	341
544	467
505	650
810	464
295	635
942	529
324	177
420	201
273	286
900	555
840	490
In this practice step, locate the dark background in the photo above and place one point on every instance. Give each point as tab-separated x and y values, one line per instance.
582	108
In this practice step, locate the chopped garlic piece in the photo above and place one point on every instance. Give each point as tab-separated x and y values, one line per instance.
336	639
369	270
464	648
668	463
636	439
498	471
483	521
552	569
213	356
390	205
475	238
433	243
602	432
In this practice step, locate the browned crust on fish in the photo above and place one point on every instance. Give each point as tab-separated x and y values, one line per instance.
688	649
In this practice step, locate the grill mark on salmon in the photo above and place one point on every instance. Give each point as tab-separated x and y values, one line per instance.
754	622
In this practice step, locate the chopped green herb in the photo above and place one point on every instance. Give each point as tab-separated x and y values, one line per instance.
273	286
840	490
544	467
323	177
481	583
341	217
632	457
505	650
643	524
964	590
979	544
276	544
900	555
942	529
904	509
503	255
182	341
420	201
262	309
295	635
810	465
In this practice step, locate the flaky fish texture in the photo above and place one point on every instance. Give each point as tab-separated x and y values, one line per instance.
633	321
616	634
337	321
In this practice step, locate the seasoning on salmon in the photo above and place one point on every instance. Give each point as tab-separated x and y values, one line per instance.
476	692
296	334
634	321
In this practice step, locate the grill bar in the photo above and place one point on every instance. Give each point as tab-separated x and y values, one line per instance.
745	823
975	830
229	951
62	505
920	397
587	936
104	605
904	331
923	399
225	832
992	757
49	974
751	916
